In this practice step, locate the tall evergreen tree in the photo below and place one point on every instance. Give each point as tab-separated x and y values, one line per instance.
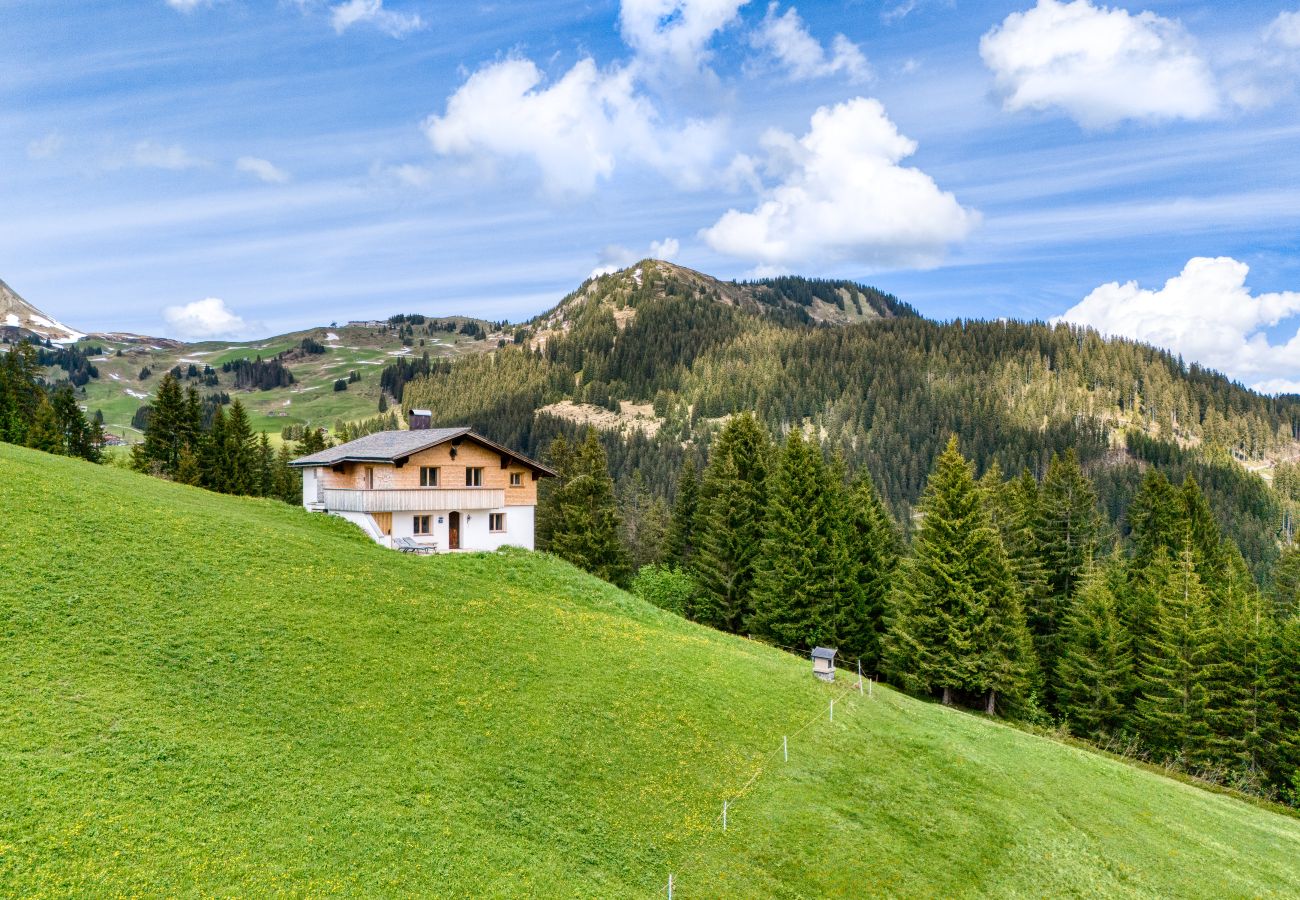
681	532
44	432
165	432
1285	590
240	454
212	454
1014	506
1156	519
874	548
264	480
956	623
1212	563
645	523
733	500
1243	710
1067	529
585	526
1094	670
1173	702
804	584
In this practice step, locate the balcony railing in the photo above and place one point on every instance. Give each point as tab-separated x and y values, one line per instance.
413	499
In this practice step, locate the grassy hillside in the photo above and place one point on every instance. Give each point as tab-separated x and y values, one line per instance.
207	695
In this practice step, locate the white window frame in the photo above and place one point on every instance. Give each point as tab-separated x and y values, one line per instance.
422	525
497	517
473	476
429	476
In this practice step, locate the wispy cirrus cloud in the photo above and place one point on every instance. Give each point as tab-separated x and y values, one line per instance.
262	169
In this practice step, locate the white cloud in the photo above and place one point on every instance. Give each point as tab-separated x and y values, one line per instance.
616	257
405	174
675	33
842	195
1100	65
46	147
1206	314
204	320
575	130
800	54
173	157
186	5
1285	30
264	169
355	12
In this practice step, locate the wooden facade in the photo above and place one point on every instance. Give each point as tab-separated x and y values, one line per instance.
452	463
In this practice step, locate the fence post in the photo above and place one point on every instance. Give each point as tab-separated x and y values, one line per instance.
785	747
670	886
859	676
832	710
870	685
724	815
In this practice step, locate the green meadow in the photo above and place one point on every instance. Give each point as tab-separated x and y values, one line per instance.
203	695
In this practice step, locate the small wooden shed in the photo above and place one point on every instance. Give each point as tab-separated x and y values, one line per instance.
823	660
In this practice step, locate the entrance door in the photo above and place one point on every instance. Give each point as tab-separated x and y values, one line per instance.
453	531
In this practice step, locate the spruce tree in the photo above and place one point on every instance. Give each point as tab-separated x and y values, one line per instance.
585	526
1284	765
212	454
1094	670
1156	519
1014	506
287	480
1212	563
1285	590
681	530
733	500
165	433
874	547
955	622
44	432
1067	529
645	523
264	482
803	585
1173	700
1243	709
240	453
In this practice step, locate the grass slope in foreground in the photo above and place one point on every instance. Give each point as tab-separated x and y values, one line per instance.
206	695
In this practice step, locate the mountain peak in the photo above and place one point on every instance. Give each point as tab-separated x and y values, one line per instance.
19	319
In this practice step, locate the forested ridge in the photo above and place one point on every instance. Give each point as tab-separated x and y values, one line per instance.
885	392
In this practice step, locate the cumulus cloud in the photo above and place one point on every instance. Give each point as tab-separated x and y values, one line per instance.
371	12
1099	65
1285	30
260	168
574	130
46	147
842	195
1207	314
802	57
675	33
616	257
173	157
204	320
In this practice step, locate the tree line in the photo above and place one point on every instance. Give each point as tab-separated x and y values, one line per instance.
1013	595
34	413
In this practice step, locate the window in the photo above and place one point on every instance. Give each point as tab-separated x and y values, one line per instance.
496	521
516	479
474	477
428	476
420	525
370	478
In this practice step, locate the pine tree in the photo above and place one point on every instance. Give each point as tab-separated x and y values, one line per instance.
1285	591
240	454
81	438
585	526
955	621
1212	564
645	523
1066	528
1014	507
1243	710
1094	670
1284	766
733	499
681	531
874	547
1173	702
212	454
803	584
1156	519
165	433
44	432
287	481
264	480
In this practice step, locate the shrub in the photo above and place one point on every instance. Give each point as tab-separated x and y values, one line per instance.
667	587
341	385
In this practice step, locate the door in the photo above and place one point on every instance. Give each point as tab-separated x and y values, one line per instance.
453	531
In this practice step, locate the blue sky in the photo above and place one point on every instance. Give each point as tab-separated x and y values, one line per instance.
310	160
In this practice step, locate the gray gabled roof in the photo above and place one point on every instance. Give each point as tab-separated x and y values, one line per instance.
823	653
390	446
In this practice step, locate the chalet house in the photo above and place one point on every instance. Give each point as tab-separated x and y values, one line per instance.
429	488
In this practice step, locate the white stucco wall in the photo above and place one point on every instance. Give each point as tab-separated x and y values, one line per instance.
474	534
310	489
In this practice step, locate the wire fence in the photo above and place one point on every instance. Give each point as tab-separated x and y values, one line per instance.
862	686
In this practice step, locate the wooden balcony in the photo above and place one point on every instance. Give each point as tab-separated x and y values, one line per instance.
413	499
